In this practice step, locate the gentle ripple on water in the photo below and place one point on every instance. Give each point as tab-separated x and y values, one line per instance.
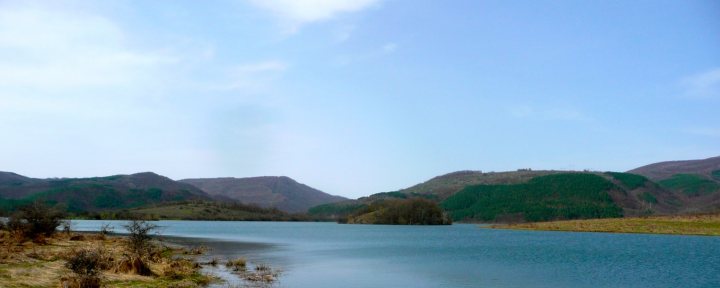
461	255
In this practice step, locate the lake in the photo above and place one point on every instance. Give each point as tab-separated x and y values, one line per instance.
462	255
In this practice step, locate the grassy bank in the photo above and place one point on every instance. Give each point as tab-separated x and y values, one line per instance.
43	264
683	225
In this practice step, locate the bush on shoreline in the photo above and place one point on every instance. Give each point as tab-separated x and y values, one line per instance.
35	220
139	236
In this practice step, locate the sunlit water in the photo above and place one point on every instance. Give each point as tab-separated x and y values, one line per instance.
461	255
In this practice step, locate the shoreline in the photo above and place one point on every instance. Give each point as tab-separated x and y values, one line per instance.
687	225
176	261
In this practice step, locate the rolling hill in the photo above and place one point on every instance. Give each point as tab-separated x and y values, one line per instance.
446	185
695	182
281	192
709	168
97	193
526	195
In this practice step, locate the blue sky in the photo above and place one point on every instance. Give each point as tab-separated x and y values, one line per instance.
358	96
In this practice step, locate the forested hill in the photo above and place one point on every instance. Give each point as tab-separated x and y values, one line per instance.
527	196
96	193
551	197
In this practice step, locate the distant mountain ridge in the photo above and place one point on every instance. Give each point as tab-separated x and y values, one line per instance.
96	193
280	192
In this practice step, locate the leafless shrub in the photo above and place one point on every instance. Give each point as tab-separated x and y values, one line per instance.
140	236
86	265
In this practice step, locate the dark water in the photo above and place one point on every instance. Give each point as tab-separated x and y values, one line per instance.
461	255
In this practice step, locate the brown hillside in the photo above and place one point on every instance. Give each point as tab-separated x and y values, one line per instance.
282	192
664	170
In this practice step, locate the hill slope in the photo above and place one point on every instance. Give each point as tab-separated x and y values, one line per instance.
633	194
446	185
213	211
551	197
695	182
97	193
709	168
282	192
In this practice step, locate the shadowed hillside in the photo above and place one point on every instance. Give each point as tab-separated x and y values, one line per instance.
282	193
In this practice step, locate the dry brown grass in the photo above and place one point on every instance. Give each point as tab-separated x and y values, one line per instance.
28	264
708	225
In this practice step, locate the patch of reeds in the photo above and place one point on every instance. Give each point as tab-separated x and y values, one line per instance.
239	264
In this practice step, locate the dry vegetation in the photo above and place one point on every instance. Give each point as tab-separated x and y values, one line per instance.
50	263
686	225
33	253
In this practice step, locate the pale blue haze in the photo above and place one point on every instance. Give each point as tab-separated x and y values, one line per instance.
355	97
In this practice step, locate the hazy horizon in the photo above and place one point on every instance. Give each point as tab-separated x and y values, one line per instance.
355	97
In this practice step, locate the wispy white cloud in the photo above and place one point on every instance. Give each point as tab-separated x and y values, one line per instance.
80	79
295	13
704	85
54	49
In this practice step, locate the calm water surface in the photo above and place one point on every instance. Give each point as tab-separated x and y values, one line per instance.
461	255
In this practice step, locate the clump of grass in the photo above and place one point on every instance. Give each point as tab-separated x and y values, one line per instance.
195	250
86	266
262	267
133	264
179	269
239	264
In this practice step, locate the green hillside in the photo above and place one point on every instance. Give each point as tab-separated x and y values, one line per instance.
690	184
444	186
716	174
551	197
77	195
629	180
